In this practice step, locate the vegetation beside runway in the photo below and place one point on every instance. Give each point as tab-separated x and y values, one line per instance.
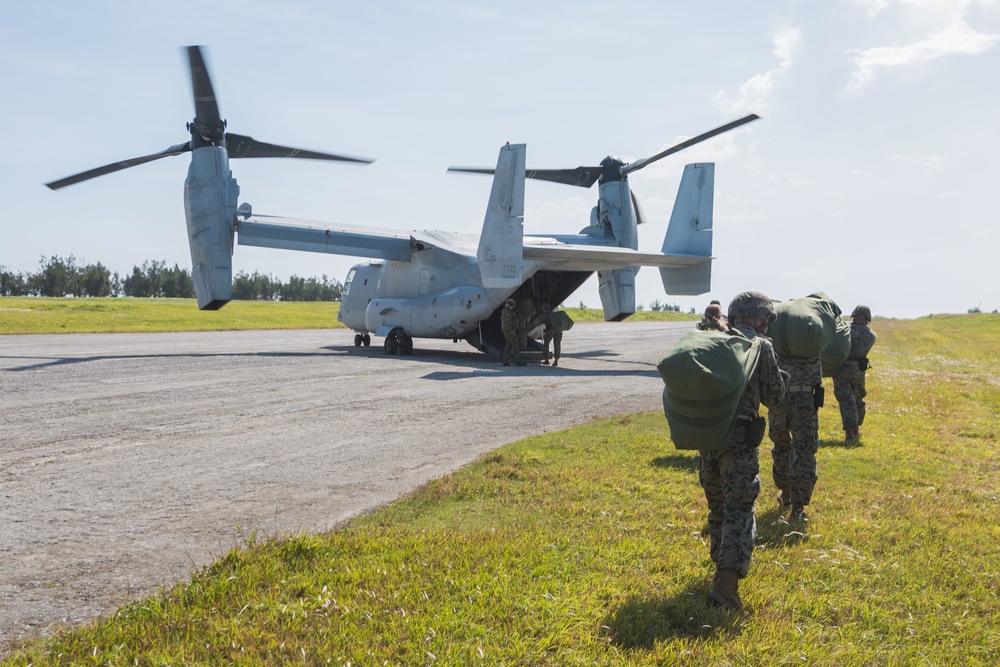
44	315
588	546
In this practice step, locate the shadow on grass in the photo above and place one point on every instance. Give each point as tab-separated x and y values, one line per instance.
842	444
677	461
776	530
640	623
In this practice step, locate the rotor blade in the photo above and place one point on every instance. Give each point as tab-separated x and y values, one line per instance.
240	146
635	205
206	110
639	164
118	166
583	177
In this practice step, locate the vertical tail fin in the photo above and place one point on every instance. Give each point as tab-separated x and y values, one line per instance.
690	231
501	245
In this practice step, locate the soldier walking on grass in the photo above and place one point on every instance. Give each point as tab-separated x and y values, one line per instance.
793	427
730	477
849	382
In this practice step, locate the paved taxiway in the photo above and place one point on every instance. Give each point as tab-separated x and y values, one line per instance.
129	460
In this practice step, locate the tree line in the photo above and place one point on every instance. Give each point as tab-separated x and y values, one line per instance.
60	277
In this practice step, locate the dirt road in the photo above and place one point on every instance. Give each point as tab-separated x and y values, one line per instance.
127	461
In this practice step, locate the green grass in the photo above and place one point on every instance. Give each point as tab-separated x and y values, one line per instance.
25	315
587	546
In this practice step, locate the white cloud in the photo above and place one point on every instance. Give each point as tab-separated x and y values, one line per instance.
922	162
957	38
755	94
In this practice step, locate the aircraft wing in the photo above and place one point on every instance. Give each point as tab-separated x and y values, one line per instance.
570	257
292	234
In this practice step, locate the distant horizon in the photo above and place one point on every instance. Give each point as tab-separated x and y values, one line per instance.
870	176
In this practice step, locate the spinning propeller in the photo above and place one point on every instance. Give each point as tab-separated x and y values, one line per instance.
207	129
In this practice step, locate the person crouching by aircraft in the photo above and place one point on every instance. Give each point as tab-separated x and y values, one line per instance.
713	318
849	382
730	477
508	324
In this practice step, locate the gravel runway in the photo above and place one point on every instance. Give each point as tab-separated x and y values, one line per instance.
129	460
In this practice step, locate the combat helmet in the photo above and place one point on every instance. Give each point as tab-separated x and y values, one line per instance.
862	311
752	304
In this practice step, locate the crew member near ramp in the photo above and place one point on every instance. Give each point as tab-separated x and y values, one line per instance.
552	333
508	324
730	477
849	382
793	427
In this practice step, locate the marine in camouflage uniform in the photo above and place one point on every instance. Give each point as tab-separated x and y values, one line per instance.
549	334
793	427
713	319
849	382
508	325
730	477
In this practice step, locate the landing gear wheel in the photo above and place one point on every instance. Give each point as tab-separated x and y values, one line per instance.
405	344
366	339
391	344
358	338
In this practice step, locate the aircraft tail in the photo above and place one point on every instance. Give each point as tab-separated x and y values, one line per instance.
501	244
690	231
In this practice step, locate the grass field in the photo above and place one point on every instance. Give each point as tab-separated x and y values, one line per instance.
588	547
25	315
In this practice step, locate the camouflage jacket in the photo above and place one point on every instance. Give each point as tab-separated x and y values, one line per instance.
508	321
767	383
803	371
862	340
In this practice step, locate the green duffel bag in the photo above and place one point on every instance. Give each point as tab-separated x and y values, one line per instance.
705	375
835	354
804	327
561	321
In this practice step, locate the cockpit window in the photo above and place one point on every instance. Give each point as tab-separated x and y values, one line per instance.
347	283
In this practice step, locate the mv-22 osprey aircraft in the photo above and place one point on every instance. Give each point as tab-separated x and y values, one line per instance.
436	284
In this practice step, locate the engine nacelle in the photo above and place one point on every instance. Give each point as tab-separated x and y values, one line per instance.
210	197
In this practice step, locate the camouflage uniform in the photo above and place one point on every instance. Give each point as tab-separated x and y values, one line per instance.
731	477
849	382
713	319
550	335
793	427
508	324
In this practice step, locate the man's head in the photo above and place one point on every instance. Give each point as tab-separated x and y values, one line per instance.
714	311
862	313
752	308
510	303
546	307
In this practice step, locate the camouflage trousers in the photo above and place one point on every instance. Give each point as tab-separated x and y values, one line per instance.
793	427
731	480
849	389
556	338
512	350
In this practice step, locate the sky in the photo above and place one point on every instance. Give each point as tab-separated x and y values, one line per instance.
871	176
